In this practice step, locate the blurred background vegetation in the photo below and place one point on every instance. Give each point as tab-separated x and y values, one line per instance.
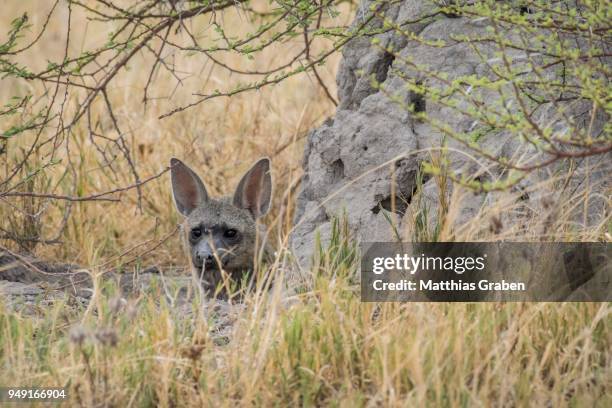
93	95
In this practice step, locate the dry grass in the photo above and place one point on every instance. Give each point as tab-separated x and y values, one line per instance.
220	139
327	349
320	347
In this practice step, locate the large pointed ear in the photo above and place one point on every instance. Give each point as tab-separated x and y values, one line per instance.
187	188
255	189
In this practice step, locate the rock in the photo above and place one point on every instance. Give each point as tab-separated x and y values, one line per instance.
365	160
19	289
26	298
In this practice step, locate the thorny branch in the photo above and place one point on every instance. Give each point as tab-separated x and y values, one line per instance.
39	130
542	58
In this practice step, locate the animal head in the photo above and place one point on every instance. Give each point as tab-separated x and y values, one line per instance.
221	233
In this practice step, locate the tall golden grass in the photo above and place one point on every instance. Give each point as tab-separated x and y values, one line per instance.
220	138
320	347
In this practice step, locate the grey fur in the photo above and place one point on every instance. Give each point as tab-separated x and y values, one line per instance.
208	223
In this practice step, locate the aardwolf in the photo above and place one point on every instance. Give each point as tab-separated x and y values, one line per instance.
222	234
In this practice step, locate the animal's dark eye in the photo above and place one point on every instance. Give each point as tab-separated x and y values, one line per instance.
196	233
230	233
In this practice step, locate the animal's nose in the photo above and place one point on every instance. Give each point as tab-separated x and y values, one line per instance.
205	258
